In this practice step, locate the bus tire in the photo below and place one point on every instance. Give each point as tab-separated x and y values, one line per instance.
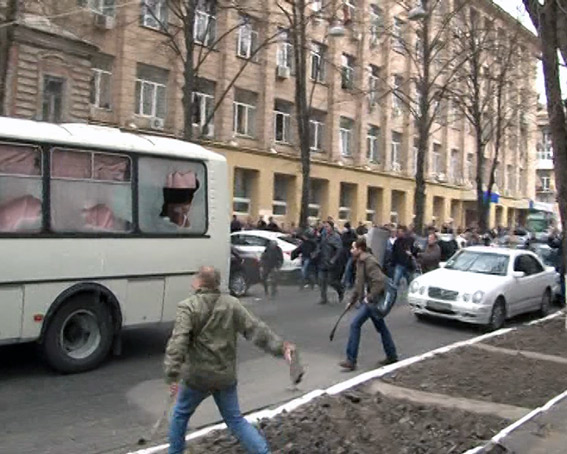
79	335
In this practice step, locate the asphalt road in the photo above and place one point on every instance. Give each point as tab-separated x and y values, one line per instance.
107	410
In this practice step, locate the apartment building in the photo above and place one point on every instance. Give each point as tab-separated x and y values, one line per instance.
545	200
112	62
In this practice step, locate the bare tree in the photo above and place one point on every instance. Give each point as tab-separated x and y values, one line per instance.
485	93
549	17
433	69
8	17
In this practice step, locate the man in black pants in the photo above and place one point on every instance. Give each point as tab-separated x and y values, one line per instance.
328	256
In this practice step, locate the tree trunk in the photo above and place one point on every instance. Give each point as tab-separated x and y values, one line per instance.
299	37
420	184
6	40
188	72
482	204
555	107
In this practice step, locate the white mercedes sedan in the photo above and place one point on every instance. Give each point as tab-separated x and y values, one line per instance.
485	286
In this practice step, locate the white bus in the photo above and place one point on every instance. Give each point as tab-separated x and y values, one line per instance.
101	230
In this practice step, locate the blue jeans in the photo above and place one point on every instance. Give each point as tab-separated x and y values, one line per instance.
307	272
348	276
227	402
400	272
364	313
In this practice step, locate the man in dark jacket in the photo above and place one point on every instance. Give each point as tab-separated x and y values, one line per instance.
369	276
348	237
306	251
556	242
328	260
430	258
200	359
235	225
272	225
271	261
403	252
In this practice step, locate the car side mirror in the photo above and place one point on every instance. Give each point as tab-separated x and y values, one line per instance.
518	274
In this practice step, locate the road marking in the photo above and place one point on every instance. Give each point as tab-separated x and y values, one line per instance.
340	387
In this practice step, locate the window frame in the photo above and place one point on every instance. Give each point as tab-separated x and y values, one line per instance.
347	71
140	103
318	134
286	124
317	53
373	145
247	24
203	98
209	37
159	9
48	232
248	108
396	151
346	133
97	75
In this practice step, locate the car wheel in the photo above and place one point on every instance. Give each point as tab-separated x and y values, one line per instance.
545	304
79	336
498	315
238	285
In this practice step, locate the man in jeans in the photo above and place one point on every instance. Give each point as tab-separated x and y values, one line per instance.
402	259
368	275
201	353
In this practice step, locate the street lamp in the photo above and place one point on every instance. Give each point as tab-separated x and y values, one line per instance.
336	29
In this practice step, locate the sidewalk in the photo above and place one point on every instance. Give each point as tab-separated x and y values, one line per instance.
544	434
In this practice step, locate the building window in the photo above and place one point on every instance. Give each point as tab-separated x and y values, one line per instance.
347	75
52	106
279	204
204	31
203	107
372	204
247	43
398	35
470	167
282	122
373	144
285	50
436	159
315	198
376	24
243	186
316	132
415	155
345	136
317	62
396	152
101	83
154	14
373	84
545	183
545	149
151	91
245	113
105	7
454	166
397	104
345	201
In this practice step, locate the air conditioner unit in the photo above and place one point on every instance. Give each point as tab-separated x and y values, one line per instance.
442	178
157	123
396	167
208	132
104	22
284	72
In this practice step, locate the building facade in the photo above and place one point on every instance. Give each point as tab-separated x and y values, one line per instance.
118	63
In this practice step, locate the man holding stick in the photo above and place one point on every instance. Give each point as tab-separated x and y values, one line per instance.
201	353
369	276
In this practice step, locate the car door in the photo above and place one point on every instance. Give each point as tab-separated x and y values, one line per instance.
538	282
519	293
254	245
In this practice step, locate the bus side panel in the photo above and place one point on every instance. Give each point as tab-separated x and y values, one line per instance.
40	297
177	289
145	301
12	306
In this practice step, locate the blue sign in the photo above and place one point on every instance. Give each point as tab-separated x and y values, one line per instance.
494	198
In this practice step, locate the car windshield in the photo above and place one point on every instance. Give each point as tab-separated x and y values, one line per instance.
290	239
547	255
479	262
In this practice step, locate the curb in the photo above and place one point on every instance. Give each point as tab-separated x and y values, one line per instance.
376	373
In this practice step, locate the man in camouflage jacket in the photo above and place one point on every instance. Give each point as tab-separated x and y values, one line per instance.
201	354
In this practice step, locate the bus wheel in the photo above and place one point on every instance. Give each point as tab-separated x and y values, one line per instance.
79	336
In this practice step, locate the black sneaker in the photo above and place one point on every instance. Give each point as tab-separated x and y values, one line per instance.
388	361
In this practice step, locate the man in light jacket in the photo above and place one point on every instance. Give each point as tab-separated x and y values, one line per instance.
369	276
201	354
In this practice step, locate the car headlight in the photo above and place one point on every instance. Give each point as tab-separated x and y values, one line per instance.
466	297
414	287
477	296
422	290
